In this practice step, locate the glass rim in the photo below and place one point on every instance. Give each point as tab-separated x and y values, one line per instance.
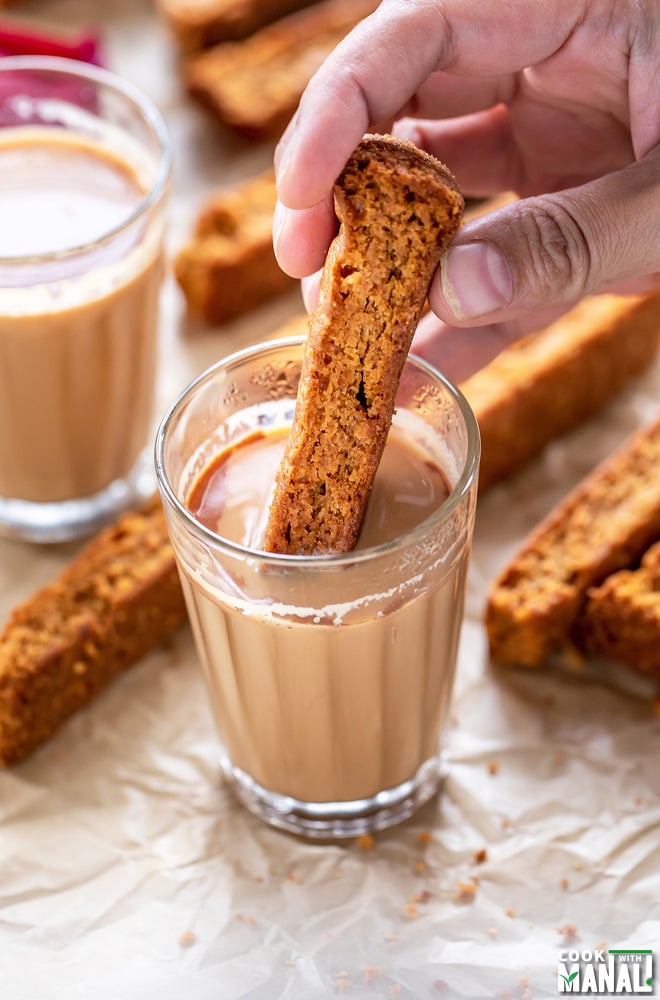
441	514
74	68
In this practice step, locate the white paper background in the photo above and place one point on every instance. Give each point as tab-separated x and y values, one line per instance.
118	837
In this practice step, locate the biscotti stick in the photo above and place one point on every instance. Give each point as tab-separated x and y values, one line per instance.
603	525
398	209
553	380
254	86
621	618
229	266
117	600
199	23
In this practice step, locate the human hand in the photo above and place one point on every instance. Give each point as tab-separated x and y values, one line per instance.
558	101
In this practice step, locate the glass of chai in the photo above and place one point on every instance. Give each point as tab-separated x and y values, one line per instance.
329	676
84	176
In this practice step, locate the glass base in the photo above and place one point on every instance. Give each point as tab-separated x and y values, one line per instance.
67	520
334	820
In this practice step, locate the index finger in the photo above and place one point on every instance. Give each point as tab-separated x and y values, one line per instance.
378	68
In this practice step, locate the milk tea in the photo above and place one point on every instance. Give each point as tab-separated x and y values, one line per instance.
329	676
77	326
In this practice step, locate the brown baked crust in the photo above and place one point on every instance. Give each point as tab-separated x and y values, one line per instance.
229	266
201	23
117	600
254	86
621	617
604	525
398	209
550	382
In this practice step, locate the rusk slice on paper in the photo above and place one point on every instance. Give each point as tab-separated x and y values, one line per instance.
229	266
621	618
200	23
604	525
117	600
254	86
398	209
553	380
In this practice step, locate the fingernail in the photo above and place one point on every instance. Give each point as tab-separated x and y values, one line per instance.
279	222
407	129
282	155
476	280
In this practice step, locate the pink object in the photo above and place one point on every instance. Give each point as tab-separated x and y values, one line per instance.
17	40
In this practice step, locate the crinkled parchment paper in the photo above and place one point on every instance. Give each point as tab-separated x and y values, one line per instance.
127	871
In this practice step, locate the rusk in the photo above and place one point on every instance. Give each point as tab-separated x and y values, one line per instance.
621	617
254	86
603	525
200	23
552	381
116	601
398	208
229	267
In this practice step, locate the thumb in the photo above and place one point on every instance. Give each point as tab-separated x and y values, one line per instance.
554	248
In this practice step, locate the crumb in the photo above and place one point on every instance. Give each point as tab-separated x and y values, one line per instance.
506	823
342	982
394	990
410	910
424	837
465	892
259	879
390	937
639	800
510	912
523	983
289	963
250	921
565	883
440	985
578	866
423	896
366	842
292	877
187	939
480	856
569	932
371	973
493	931
493	767
420	866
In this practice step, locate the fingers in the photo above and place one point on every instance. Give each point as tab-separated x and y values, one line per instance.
356	86
552	248
301	238
459	353
310	288
480	148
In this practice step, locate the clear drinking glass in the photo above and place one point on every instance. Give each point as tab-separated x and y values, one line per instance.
84	177
329	676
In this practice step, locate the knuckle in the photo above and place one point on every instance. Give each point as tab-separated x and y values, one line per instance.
558	251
